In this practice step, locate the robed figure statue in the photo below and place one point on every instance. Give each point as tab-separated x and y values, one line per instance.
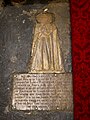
46	52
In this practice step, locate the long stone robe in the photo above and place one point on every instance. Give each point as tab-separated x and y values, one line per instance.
46	52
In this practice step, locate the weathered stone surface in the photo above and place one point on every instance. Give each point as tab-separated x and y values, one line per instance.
42	92
15	48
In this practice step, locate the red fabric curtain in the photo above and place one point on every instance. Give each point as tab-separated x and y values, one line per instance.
80	21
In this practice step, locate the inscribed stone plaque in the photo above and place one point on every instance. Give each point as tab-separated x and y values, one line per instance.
42	92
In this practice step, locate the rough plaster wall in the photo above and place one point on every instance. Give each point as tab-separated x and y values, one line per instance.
16	30
1	5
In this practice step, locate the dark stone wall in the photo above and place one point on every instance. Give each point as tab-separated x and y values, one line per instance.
16	33
9	2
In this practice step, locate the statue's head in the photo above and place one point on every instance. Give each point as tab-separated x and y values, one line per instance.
45	18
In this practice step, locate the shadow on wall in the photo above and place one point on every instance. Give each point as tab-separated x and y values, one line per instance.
10	2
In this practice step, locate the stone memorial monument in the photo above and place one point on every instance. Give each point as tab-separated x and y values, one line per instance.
46	86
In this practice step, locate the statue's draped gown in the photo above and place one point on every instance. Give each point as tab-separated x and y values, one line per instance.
46	52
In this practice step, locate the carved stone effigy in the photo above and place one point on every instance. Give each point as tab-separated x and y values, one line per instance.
46	53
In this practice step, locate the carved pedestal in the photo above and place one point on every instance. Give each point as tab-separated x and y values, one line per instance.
42	92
